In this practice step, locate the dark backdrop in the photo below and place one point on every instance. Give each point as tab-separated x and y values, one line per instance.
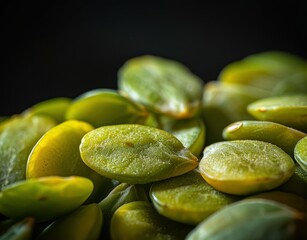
51	50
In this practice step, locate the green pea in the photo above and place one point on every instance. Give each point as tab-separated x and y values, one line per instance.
101	107
249	219
55	108
300	153
288	110
84	223
245	166
188	198
278	134
135	153
163	85
44	198
139	220
17	139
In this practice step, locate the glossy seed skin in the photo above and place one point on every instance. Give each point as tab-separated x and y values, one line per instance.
188	198
277	134
300	153
289	110
31	198
163	85
259	218
245	166
135	153
101	107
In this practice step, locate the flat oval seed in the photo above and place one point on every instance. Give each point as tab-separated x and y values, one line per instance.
245	166
139	220
57	154
102	107
135	153
277	134
17	139
188	198
224	104
44	198
255	219
287	110
163	85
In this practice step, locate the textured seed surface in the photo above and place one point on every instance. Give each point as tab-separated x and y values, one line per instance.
163	85
44	198
277	134
245	166
139	220
17	139
134	153
287	110
188	198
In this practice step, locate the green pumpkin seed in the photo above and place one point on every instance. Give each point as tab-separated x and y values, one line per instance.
188	198
139	220
300	153
297	184
287	110
245	166
277	134
84	223
57	154
101	107
54	108
191	132
44	198
224	104
17	139
164	86
135	153
255	219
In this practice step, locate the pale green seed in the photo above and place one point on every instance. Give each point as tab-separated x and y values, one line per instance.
163	85
277	134
255	219
44	198
139	220
135	153
288	110
188	198
101	107
245	166
17	138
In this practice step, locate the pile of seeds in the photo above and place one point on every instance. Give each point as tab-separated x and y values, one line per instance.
164	156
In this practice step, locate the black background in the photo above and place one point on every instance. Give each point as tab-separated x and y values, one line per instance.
53	49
